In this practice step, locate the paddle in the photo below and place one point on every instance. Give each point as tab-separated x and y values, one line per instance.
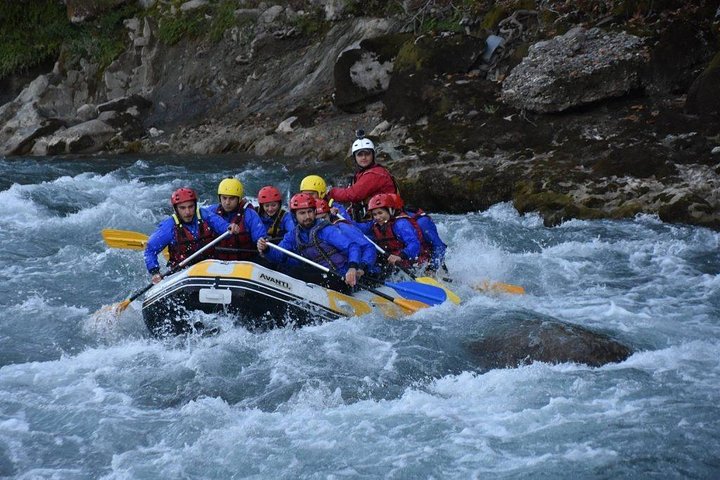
409	305
118	308
127	239
499	287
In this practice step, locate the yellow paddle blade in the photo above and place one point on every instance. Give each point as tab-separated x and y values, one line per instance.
410	305
127	239
110	313
431	281
499	287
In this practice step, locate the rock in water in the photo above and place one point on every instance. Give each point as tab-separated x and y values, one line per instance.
512	342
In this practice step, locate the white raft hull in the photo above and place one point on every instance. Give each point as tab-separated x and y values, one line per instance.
258	298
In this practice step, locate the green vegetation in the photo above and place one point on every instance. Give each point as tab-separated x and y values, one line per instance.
313	23
31	33
173	28
223	20
38	31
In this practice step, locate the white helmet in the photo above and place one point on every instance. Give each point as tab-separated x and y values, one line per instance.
363	144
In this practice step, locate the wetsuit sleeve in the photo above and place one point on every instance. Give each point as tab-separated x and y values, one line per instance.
288	243
431	236
254	225
218	224
365	227
287	223
342	211
404	230
368	253
368	183
161	238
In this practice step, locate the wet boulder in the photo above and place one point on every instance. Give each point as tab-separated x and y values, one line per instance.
86	137
704	95
417	84
362	72
517	338
578	68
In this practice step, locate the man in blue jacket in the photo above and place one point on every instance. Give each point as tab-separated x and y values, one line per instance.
235	209
318	241
185	232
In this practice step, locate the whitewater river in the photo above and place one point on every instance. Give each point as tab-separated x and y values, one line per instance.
358	398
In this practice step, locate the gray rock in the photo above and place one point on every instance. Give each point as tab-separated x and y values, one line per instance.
704	95
87	112
380	128
87	137
511	342
362	72
270	15
580	67
286	126
124	103
18	135
193	5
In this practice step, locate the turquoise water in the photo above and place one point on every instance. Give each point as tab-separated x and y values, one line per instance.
358	398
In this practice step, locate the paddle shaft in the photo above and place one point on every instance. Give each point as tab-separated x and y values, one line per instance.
327	270
179	266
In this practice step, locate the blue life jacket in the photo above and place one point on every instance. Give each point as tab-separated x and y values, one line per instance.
318	250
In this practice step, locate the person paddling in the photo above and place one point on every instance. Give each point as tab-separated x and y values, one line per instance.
429	233
369	180
235	209
319	241
315	186
185	232
272	215
396	233
368	252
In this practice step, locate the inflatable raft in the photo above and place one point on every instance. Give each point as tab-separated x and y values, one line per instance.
257	297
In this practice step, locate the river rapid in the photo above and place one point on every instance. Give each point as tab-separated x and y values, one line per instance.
362	397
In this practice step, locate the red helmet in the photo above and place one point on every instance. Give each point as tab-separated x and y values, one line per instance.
182	195
302	200
382	200
269	194
399	204
322	206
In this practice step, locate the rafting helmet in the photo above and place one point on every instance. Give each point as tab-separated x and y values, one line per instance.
182	195
363	144
399	204
269	194
383	200
322	206
302	200
231	187
314	183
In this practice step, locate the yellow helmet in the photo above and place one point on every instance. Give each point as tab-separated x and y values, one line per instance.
231	187
314	183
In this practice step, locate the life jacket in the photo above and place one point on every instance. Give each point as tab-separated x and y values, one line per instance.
385	237
416	213
318	250
186	244
231	247
275	230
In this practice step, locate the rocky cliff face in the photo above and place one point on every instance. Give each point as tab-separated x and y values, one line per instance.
605	112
